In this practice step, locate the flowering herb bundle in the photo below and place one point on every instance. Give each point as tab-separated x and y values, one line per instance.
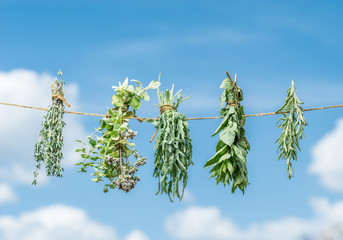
229	163
48	149
109	154
173	148
292	124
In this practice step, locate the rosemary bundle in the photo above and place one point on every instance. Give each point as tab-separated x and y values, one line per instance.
48	149
292	124
173	148
229	163
109	154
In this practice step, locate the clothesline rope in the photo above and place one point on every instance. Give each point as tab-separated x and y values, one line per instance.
195	118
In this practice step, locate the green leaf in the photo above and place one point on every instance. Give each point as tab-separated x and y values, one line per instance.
117	101
145	96
227	136
92	142
216	157
131	144
135	103
138	82
125	83
115	134
226	84
112	113
222	125
154	84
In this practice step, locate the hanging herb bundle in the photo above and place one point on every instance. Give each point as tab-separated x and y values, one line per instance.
173	148
48	149
109	153
229	163
292	124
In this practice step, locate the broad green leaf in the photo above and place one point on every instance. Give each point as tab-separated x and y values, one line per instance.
222	125
117	101
135	103
92	142
220	145
226	84
216	157
115	134
227	136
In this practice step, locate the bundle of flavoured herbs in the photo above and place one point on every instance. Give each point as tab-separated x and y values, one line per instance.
173	148
109	154
292	124
229	164
48	149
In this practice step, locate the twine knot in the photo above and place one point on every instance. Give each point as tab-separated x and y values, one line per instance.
165	107
232	102
58	96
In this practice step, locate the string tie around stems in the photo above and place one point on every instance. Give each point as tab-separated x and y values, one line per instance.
58	96
232	103
163	108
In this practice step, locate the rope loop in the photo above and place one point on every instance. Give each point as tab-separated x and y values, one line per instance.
58	96
165	107
233	103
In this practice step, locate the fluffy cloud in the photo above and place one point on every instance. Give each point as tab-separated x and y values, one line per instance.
20	127
328	159
54	223
207	223
136	235
188	197
7	195
200	223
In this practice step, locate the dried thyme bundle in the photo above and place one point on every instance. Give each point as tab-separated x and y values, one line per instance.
229	163
109	154
173	145
292	125
48	149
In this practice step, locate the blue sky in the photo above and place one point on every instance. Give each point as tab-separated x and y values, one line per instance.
193	43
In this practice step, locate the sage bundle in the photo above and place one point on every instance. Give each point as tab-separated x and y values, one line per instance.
109	154
173	148
292	124
48	149
229	164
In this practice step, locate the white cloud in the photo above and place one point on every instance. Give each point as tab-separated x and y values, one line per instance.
136	235
200	223
20	127
54	222
7	195
188	197
207	223
328	159
19	173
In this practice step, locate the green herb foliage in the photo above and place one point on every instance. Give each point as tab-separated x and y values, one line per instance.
292	124
173	145
48	149
109	154
229	163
